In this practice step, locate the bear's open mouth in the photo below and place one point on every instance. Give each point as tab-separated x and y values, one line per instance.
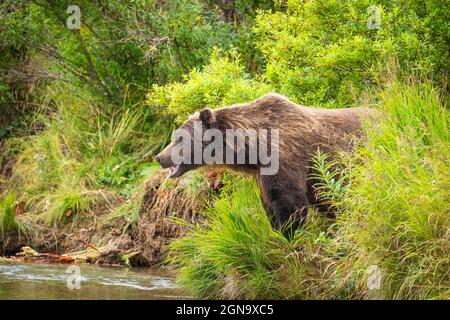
175	171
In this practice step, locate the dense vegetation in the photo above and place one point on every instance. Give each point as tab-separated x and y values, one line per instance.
82	111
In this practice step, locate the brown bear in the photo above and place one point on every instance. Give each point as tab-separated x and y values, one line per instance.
300	131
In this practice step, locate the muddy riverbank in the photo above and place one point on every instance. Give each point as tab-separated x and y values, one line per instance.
132	232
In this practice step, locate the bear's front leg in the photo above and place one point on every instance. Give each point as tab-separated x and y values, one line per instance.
285	201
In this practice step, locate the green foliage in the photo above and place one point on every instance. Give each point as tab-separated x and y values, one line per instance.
329	177
396	212
7	216
122	47
129	210
66	203
44	163
237	242
222	82
77	137
149	169
236	254
8	221
78	151
323	53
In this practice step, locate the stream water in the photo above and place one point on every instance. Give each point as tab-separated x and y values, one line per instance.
83	281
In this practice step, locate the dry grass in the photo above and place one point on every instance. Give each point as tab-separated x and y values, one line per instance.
165	204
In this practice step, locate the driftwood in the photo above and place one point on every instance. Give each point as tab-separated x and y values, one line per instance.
91	254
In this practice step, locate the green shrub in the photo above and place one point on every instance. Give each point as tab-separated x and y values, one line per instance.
67	203
122	48
396	211
222	82
237	254
8	220
236	243
323	53
78	151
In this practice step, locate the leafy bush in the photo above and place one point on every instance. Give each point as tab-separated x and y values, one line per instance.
328	52
395	214
8	220
121	47
222	82
78	151
236	254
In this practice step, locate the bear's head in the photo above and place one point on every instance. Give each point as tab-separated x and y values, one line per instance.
185	151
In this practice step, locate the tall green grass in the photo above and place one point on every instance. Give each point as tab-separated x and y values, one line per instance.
83	149
8	221
236	242
235	253
392	201
396	213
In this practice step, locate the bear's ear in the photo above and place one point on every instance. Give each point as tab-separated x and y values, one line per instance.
208	117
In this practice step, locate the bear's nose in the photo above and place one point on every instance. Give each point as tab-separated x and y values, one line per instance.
158	158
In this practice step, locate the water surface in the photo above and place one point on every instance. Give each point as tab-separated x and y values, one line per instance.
20	280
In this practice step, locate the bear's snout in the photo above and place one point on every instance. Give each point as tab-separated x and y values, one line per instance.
165	162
